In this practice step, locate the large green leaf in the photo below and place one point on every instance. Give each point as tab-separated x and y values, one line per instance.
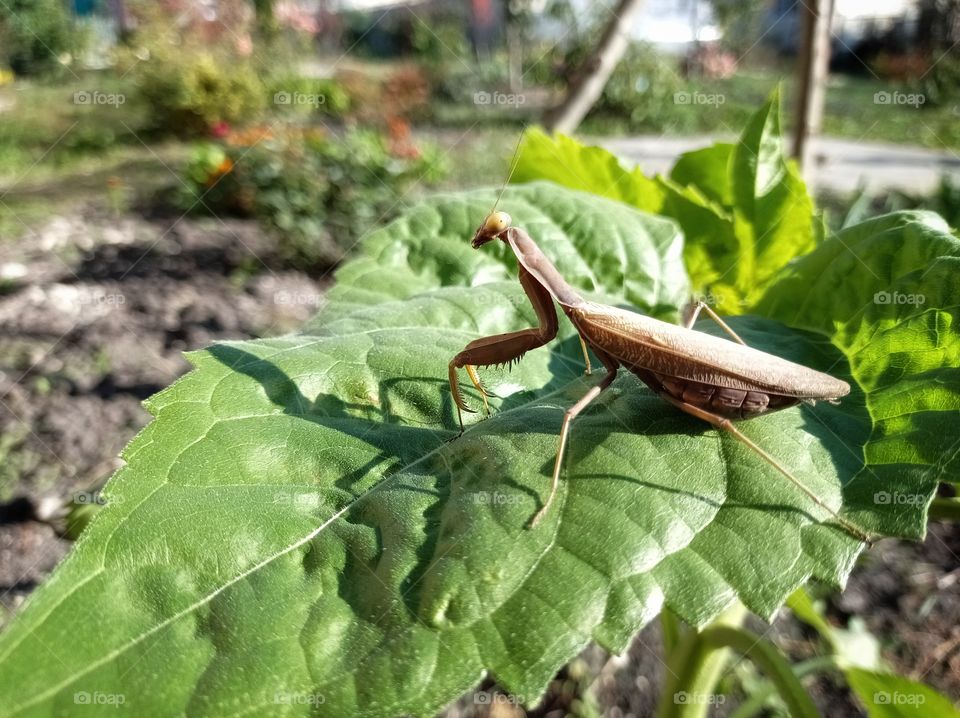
566	162
886	291
599	246
294	535
773	214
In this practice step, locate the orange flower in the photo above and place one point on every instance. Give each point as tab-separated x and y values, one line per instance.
400	142
221	169
398	129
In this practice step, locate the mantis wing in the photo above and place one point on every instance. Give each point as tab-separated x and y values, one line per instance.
673	351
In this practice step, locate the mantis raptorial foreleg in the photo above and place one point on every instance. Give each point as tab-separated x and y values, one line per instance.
504	348
498	349
475	380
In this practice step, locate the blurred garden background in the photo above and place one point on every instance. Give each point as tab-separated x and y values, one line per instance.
174	172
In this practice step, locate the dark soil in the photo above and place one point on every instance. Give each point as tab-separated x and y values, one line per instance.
95	313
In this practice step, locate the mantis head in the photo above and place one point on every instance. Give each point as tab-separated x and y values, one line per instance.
493	226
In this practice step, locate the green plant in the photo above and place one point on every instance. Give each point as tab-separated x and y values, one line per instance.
944	200
194	77
743	207
697	658
641	90
294	533
317	193
441	42
304	95
640	94
36	36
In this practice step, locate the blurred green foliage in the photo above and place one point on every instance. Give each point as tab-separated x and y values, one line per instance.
641	90
944	200
295	94
189	93
35	35
941	86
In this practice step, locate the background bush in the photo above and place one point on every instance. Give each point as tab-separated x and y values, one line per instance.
191	92
34	34
316	192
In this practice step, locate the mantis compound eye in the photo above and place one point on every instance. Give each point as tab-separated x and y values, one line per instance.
496	223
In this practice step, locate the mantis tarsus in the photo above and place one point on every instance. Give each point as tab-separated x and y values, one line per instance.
713	379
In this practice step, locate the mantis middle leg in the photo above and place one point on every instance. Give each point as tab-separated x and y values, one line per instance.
611	364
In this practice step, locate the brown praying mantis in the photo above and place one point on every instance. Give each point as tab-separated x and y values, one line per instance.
708	377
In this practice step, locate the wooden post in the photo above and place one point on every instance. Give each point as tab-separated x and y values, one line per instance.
813	70
595	72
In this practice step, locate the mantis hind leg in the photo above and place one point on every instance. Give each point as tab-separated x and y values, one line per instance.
568	417
725	424
701	306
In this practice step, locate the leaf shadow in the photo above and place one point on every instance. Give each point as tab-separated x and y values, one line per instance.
351	418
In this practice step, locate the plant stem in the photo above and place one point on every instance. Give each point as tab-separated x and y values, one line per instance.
698	662
694	670
754	703
671	629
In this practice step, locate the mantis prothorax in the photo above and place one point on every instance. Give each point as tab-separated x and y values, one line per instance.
708	377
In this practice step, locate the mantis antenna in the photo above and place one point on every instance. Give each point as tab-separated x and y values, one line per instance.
513	167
